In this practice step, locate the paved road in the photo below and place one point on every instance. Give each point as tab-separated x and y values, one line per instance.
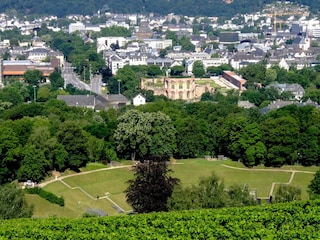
96	84
70	77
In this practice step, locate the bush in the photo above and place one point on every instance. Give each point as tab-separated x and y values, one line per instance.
46	195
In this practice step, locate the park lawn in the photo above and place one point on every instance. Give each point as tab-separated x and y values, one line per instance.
205	81
191	170
120	199
44	209
114	181
302	181
285	167
76	202
93	166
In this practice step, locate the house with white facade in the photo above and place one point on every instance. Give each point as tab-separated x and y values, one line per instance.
296	89
158	43
104	43
78	26
139	100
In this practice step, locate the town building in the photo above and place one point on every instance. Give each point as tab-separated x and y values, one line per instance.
234	79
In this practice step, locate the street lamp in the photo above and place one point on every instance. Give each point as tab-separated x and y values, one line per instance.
119	86
84	73
34	93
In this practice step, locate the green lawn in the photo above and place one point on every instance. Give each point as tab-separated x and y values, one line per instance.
113	181
93	166
302	180
191	171
205	81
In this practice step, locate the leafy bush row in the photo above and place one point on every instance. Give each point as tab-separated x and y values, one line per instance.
297	220
46	195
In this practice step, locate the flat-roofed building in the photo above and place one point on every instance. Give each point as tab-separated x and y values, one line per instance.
234	79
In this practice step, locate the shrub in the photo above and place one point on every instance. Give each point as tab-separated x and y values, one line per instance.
46	195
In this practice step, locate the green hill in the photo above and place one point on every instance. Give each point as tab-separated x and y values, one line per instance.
298	220
163	7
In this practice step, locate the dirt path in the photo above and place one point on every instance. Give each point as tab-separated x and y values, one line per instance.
293	172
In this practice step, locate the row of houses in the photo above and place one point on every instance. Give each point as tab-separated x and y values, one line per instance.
299	53
32	56
100	102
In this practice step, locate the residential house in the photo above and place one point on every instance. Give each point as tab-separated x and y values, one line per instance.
78	26
139	100
95	102
37	54
158	44
116	100
84	101
114	62
296	89
161	62
105	43
280	103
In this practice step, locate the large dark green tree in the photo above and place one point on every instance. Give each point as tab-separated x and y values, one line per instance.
198	69
151	188
71	136
34	165
281	137
11	95
9	143
177	70
33	77
56	80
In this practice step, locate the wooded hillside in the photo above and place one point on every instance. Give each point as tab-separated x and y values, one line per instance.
163	7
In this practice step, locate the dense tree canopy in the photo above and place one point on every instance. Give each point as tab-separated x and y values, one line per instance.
198	69
189	8
145	135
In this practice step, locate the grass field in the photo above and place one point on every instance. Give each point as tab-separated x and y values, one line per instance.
207	80
104	188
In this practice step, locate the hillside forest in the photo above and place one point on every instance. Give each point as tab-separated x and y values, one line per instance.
218	8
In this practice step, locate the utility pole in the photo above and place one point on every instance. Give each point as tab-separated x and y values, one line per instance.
90	79
119	86
84	73
34	93
1	63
